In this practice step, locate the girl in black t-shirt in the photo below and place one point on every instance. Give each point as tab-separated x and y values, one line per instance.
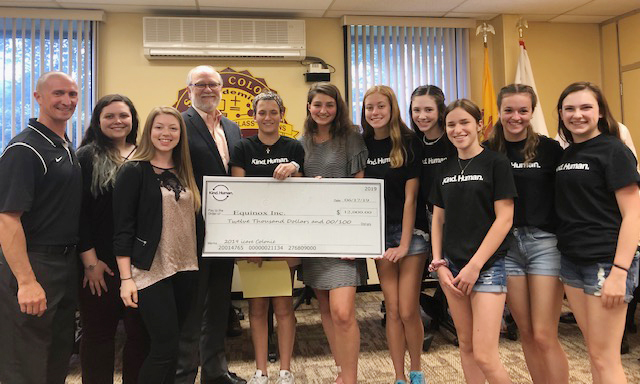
270	155
427	120
395	156
474	195
533	260
599	222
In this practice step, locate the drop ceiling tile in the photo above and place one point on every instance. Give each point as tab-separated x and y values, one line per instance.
579	19
606	7
131	3
29	4
383	13
553	7
397	8
288	5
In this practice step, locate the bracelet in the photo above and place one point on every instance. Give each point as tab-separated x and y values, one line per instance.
435	264
620	267
128	278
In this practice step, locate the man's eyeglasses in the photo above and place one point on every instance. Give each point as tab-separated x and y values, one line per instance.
205	85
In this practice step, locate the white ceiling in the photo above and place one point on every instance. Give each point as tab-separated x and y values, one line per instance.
576	11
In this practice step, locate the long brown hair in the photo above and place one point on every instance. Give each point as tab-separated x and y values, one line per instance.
341	124
180	154
106	159
606	124
398	130
497	139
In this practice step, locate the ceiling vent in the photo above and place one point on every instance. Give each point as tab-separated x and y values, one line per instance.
190	37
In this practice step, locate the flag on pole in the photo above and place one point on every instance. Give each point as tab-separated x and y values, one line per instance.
489	105
524	75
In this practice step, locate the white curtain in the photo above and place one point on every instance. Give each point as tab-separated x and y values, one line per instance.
404	58
31	47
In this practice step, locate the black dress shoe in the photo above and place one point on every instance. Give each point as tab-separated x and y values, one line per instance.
227	378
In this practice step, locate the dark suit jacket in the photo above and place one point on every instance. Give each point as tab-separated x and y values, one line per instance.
204	153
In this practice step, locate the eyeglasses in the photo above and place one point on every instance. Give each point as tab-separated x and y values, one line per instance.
205	85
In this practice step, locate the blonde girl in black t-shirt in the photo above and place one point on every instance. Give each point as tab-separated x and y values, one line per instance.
395	155
474	196
599	221
533	260
268	111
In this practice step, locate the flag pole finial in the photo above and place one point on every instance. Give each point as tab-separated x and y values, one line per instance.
521	25
485	29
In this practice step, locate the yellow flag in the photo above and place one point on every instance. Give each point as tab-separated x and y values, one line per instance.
489	105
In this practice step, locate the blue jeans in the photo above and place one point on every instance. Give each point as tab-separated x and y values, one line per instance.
492	280
533	252
418	242
590	277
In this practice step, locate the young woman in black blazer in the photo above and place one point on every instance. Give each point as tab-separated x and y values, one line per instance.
155	204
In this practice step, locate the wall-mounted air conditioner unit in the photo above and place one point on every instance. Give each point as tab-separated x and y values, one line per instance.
190	37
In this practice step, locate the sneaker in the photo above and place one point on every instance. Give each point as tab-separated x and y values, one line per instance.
417	377
400	382
258	378
286	377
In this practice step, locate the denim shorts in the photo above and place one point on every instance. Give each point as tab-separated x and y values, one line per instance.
419	243
590	277
533	252
492	280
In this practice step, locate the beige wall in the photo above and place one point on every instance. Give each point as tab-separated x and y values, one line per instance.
556	62
122	67
621	67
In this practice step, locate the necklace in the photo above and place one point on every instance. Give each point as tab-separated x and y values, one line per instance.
466	166
427	142
130	153
163	169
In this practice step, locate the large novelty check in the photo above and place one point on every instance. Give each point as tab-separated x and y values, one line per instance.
256	216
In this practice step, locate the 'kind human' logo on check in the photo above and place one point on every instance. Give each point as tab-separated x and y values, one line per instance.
220	192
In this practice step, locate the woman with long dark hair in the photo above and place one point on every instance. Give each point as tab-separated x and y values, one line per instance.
108	142
533	260
333	148
599	225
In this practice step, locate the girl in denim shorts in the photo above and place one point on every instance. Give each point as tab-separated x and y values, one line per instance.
533	260
473	193
395	155
598	210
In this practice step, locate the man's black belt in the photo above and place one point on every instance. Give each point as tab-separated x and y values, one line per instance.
52	249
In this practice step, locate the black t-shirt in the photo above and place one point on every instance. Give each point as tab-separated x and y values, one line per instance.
41	177
434	153
258	159
586	180
535	183
395	179
468	201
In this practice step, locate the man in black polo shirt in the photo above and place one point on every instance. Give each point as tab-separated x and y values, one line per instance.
40	195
